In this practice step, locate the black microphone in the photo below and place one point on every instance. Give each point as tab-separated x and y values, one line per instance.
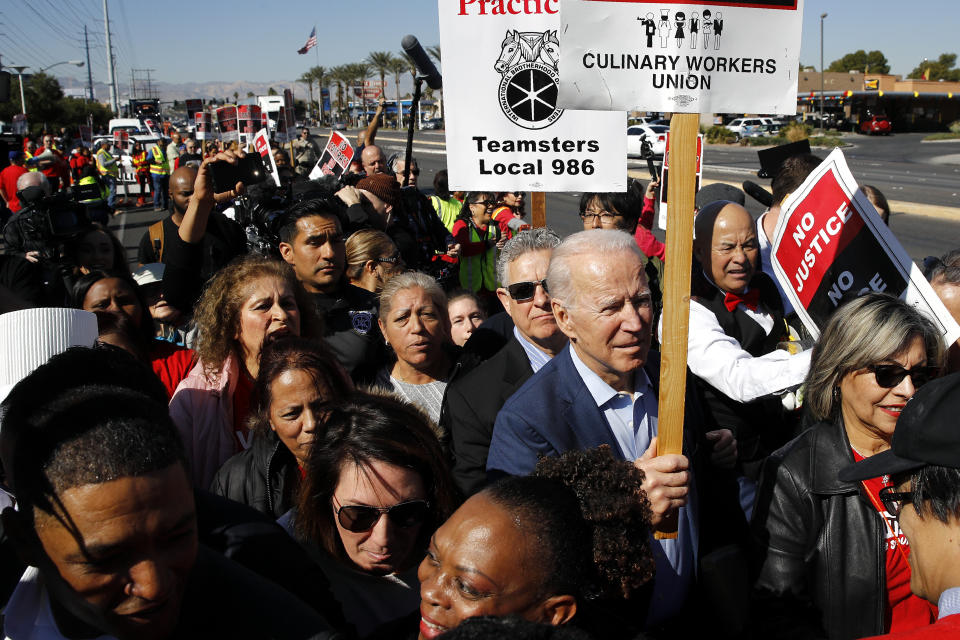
425	67
758	193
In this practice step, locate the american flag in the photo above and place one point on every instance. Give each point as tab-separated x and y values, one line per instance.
311	42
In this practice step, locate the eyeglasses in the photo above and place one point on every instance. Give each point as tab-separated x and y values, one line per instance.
485	203
359	518
893	500
606	217
523	291
890	375
517	194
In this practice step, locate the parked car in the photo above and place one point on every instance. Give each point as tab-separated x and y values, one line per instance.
645	141
747	127
432	123
876	124
339	125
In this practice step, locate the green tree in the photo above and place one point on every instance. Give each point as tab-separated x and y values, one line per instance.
398	66
940	69
339	76
271	91
251	94
319	75
434	52
860	60
307	78
381	61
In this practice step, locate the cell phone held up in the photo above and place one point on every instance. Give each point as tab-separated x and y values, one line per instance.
249	170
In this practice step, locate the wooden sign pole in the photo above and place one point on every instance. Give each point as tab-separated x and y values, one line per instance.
681	190
538	208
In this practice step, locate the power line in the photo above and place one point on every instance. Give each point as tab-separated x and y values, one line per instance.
45	22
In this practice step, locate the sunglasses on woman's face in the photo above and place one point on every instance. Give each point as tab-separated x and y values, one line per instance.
359	518
890	375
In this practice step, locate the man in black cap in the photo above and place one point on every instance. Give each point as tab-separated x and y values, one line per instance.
923	465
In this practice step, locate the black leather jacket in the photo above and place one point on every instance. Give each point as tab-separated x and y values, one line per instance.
818	542
264	476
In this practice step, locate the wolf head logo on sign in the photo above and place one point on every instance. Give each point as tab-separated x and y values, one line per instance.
530	80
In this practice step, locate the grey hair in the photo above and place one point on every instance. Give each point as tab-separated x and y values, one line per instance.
539	239
411	280
946	269
595	243
398	160
870	329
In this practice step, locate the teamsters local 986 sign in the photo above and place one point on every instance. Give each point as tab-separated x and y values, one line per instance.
707	57
505	130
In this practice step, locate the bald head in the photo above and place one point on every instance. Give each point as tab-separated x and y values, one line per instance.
373	160
726	245
34	179
181	189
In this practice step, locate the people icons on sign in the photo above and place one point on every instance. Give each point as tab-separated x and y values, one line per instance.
649	28
664	27
705	27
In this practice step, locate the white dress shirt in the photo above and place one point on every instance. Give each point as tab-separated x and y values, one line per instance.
719	360
633	420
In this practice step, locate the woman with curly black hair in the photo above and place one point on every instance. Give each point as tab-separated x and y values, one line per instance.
568	544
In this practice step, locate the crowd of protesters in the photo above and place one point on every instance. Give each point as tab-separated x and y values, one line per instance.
340	408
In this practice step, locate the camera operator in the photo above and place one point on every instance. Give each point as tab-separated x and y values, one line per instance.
56	232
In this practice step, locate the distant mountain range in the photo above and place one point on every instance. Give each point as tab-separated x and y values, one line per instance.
169	91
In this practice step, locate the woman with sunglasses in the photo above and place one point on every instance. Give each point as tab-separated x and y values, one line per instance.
297	378
832	562
509	212
376	487
372	259
479	238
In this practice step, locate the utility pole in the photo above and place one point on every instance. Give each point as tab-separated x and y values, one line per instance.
149	85
86	43
111	74
133	83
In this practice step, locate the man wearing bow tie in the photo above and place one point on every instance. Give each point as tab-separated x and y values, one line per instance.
736	323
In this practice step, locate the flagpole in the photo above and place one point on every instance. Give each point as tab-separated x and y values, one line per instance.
319	88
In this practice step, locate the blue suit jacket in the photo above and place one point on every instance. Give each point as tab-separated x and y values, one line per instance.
553	412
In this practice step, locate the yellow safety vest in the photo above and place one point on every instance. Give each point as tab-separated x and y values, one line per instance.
447	210
106	163
104	193
479	270
159	166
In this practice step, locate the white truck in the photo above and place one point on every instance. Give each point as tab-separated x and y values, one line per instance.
270	105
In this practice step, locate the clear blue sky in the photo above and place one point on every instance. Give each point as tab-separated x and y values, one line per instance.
201	41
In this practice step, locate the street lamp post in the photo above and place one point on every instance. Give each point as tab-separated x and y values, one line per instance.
23	102
822	70
78	63
19	69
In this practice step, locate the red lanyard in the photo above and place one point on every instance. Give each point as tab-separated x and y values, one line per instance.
881	510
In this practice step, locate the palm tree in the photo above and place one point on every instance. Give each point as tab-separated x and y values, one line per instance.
381	61
434	52
398	66
319	75
411	66
360	71
307	78
339	75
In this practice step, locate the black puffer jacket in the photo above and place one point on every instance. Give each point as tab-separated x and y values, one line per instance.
818	542
264	477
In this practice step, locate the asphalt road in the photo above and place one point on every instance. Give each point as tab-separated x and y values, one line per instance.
903	167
